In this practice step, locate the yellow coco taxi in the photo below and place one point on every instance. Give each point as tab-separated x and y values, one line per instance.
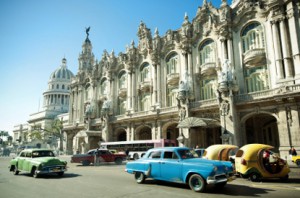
257	161
223	152
296	159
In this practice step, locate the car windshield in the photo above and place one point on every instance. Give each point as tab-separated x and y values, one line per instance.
42	154
187	153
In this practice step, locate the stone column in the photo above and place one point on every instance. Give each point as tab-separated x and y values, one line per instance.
230	52
159	85
294	37
154	99
129	87
69	149
277	47
286	50
133	92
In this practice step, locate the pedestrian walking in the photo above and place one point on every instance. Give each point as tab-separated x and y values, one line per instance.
292	151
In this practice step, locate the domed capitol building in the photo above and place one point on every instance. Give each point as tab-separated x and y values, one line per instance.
230	75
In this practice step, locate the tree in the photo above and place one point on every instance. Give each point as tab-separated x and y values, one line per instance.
57	131
3	134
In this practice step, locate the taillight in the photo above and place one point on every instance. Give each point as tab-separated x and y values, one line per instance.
243	162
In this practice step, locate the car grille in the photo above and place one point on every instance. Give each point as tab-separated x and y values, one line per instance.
218	177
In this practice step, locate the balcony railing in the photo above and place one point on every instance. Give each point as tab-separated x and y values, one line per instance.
255	57
266	93
208	68
173	79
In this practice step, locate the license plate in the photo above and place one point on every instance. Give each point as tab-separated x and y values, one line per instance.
56	170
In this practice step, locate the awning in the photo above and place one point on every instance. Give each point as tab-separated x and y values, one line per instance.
190	122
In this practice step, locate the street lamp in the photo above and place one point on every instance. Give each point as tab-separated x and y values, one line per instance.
224	112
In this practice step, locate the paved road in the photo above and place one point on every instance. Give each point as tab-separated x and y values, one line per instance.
110	180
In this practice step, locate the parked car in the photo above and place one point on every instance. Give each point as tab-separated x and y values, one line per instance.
181	165
224	152
296	159
258	161
37	162
103	155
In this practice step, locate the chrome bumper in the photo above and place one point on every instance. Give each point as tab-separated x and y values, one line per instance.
220	179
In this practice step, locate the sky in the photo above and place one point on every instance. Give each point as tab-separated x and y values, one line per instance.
36	34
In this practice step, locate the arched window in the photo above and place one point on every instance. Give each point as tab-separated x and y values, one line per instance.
207	88
253	37
256	79
145	72
171	97
88	92
57	86
172	64
145	102
63	87
122	80
207	52
104	87
122	107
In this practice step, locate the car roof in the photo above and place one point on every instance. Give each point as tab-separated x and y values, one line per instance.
252	149
212	152
36	149
169	148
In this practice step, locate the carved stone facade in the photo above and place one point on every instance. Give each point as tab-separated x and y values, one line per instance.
238	65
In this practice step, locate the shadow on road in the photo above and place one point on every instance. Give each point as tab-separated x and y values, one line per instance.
52	176
229	189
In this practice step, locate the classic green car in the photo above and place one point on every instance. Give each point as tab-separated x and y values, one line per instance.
37	162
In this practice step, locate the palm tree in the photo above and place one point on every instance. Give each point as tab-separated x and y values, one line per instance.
56	129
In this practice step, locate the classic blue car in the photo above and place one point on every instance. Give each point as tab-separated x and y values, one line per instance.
181	165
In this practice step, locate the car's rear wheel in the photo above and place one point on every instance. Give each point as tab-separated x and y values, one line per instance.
86	163
139	177
34	172
15	170
285	178
255	177
136	156
197	183
118	161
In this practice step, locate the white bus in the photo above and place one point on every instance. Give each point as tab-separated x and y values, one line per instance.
137	148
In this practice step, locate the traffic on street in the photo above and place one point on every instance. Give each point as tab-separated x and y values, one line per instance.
109	179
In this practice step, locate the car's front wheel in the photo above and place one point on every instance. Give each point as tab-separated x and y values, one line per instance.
86	163
255	177
118	161
139	177
34	173
298	163
15	170
197	183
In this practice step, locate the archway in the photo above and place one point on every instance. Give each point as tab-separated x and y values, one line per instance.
172	132
143	133
121	136
262	128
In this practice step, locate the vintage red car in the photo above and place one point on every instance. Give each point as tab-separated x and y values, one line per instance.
97	156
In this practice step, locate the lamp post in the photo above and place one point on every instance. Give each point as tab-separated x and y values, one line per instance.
224	112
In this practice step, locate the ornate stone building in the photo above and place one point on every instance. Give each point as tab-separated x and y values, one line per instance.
234	71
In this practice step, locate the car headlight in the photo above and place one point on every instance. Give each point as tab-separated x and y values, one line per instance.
215	168
226	168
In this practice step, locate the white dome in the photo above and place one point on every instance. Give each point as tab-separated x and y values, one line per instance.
62	72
